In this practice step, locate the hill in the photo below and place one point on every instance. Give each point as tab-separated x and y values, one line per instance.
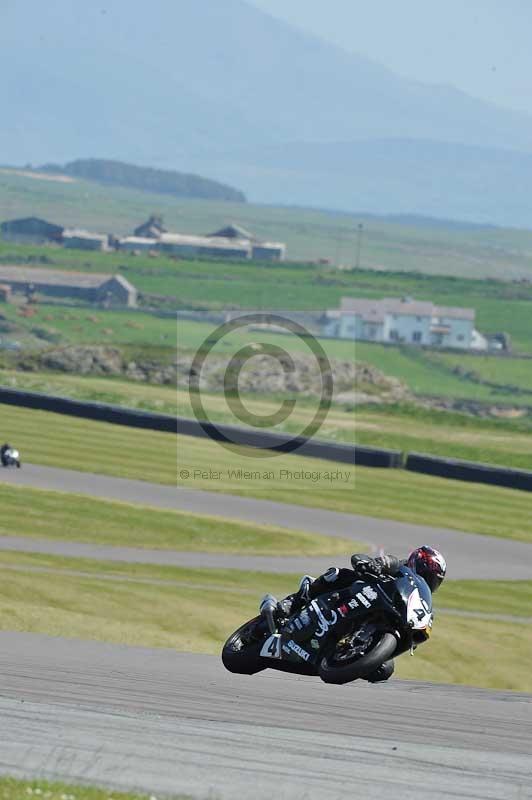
200	82
435	179
116	173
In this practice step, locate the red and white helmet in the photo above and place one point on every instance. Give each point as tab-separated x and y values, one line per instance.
429	564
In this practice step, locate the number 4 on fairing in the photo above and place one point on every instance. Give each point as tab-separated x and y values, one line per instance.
272	647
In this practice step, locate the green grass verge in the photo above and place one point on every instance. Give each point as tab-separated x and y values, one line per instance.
70	517
441	433
195	610
15	789
407	428
55	440
487	597
485	653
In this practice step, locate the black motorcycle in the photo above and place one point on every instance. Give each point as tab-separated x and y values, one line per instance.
340	636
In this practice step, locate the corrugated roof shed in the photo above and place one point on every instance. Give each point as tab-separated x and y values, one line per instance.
202	241
50	277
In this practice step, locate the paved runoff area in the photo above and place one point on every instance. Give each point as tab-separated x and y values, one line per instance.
166	722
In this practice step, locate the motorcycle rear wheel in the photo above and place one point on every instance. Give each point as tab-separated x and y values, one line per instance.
241	654
331	671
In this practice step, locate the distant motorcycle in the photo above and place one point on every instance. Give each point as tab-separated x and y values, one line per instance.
340	636
10	458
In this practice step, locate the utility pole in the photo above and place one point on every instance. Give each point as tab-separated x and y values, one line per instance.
360	228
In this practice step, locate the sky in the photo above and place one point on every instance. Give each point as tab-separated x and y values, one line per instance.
483	47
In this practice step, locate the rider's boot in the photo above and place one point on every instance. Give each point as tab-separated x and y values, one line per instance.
382	673
295	602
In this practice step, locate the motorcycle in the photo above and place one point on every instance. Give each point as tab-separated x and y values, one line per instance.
339	636
11	458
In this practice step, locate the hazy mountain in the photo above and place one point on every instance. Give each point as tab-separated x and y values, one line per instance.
181	83
383	176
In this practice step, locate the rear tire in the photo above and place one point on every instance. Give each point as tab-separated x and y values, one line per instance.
334	672
243	657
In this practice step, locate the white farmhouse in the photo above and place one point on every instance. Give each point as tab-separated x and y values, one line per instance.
407	321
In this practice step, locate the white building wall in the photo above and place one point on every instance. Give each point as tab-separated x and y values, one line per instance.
460	334
409	328
351	326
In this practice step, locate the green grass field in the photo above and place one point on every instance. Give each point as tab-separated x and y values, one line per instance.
70	517
427	247
43	438
143	335
499	306
195	610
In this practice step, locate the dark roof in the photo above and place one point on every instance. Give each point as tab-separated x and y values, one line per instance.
233	232
29	224
152	228
40	276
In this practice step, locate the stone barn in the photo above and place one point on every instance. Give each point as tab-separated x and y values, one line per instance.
110	290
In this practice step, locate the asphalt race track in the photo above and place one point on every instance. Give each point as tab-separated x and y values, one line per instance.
166	722
468	555
174	722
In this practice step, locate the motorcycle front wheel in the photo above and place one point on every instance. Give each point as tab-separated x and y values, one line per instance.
340	668
241	652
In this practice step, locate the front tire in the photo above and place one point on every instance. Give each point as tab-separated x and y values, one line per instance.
241	652
332	671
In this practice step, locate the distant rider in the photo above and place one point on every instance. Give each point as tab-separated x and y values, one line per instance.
424	561
4	450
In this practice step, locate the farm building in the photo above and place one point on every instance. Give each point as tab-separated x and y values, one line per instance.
31	230
190	246
232	241
84	240
89	287
260	251
151	229
268	251
136	244
404	321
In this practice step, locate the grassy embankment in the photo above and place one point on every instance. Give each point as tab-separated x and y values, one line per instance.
195	610
15	789
43	438
143	335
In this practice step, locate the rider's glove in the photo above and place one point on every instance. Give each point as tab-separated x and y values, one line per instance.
363	564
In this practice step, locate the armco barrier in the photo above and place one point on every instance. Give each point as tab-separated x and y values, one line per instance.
102	412
469	471
312	448
97	411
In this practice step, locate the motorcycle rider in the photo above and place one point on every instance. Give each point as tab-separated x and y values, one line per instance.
4	450
424	561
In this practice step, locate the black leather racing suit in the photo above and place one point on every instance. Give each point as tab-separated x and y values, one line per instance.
3	450
342	578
